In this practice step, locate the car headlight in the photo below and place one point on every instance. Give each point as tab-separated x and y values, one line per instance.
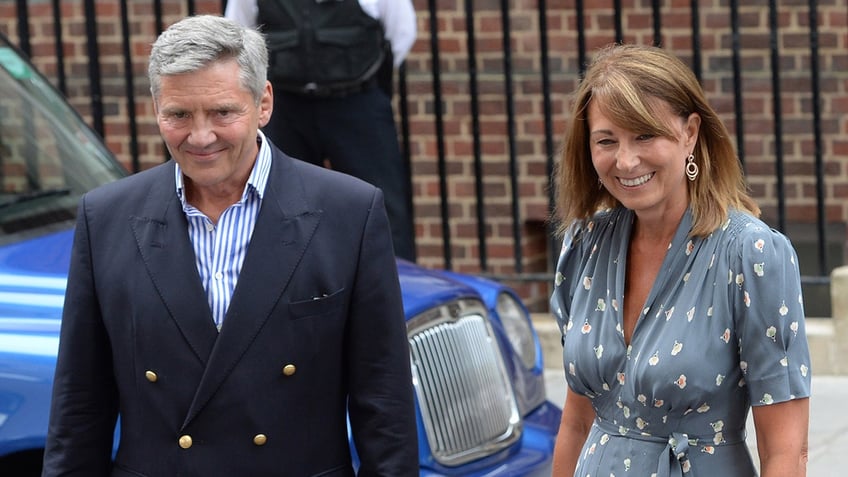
516	324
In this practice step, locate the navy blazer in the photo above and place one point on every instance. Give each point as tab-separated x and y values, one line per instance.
315	332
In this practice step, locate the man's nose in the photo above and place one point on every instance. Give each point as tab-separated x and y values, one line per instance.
202	132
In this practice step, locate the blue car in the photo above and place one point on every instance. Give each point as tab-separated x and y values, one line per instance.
476	359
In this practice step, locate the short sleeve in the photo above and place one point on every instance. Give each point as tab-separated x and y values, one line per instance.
565	275
765	286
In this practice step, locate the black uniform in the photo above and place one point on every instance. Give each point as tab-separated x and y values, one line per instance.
326	57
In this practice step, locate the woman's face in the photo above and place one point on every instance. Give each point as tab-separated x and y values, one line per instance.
645	173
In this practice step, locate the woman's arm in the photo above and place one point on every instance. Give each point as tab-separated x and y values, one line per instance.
577	417
782	430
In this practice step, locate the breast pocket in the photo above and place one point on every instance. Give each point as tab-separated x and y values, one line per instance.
317	305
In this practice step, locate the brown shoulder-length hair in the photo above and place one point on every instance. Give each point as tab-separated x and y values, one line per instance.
626	81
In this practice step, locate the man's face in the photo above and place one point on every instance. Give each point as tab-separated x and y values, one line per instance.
209	123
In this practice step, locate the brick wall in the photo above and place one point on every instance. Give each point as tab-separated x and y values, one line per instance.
717	74
529	145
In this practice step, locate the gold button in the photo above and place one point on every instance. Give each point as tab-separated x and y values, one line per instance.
289	369
260	439
185	441
151	376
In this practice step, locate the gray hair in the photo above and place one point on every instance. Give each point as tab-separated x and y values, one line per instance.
195	42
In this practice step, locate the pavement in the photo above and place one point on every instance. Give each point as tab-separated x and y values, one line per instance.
828	456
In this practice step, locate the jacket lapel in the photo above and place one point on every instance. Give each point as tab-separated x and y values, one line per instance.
283	230
161	235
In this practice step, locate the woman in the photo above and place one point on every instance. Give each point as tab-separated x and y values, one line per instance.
679	308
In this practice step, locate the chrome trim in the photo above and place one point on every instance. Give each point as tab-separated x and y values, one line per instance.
464	391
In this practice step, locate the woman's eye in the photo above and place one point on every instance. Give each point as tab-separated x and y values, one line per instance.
644	137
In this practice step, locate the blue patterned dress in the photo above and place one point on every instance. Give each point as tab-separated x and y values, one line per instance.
722	329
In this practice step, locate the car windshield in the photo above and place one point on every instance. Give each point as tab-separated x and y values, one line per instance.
48	156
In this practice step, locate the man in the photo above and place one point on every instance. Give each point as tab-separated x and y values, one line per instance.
232	304
331	68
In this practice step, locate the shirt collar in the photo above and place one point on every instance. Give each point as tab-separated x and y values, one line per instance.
256	181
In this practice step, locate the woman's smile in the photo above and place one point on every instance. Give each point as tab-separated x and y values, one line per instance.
636	181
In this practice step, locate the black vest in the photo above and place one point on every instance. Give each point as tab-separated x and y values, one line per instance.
321	47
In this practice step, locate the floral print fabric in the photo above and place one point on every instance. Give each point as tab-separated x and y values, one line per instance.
722	329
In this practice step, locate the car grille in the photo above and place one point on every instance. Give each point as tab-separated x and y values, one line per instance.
464	392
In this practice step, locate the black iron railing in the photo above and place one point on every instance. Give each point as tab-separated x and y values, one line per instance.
736	47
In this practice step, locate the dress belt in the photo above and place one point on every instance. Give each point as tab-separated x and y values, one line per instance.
674	460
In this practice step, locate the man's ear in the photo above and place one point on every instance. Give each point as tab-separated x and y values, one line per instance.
266	104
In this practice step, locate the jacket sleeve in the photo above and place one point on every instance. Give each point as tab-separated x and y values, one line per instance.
381	402
84	406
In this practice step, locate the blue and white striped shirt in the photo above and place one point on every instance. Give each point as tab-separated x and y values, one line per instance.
220	249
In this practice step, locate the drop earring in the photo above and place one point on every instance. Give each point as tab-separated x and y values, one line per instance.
691	168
